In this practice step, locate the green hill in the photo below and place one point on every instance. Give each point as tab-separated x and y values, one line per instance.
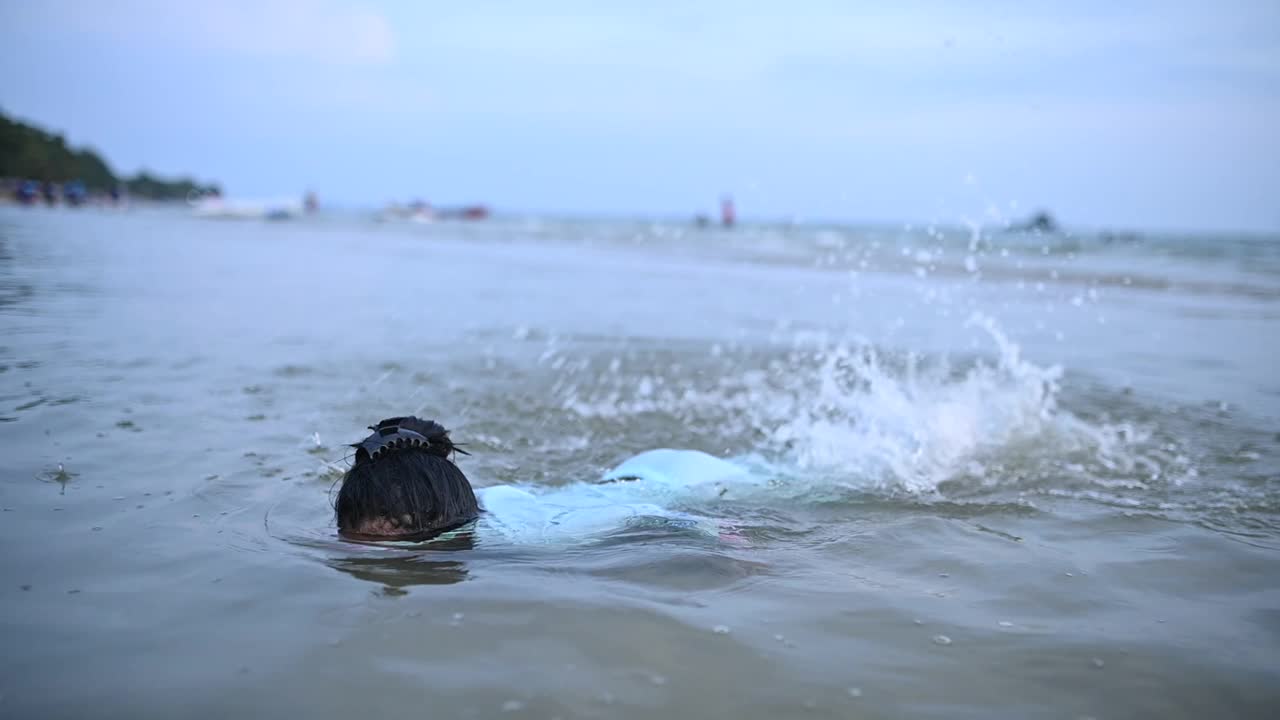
31	153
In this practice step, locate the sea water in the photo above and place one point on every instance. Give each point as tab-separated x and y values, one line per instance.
988	474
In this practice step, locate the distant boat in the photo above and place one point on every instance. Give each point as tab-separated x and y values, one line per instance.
466	212
1040	223
215	207
416	212
421	212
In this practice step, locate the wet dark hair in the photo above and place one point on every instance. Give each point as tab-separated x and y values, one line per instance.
404	484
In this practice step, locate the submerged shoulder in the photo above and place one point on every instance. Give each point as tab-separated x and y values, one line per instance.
500	491
674	466
494	497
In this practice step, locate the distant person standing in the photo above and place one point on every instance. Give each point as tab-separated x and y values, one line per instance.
75	193
28	191
727	215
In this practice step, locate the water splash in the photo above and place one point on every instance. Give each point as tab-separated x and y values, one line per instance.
828	419
915	426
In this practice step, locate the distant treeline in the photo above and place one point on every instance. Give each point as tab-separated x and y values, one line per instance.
30	153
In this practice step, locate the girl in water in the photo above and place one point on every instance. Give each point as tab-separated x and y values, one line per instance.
404	486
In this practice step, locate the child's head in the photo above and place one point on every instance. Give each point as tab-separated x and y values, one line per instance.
404	484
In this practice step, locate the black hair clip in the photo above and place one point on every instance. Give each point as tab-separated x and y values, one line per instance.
392	434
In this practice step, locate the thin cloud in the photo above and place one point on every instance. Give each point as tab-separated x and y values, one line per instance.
323	31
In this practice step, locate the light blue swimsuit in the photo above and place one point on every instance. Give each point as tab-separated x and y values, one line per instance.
634	492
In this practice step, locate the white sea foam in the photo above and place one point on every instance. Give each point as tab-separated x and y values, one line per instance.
839	417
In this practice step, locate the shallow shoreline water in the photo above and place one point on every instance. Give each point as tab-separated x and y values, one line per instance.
1010	476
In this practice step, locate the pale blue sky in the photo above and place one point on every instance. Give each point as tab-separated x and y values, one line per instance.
1145	115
